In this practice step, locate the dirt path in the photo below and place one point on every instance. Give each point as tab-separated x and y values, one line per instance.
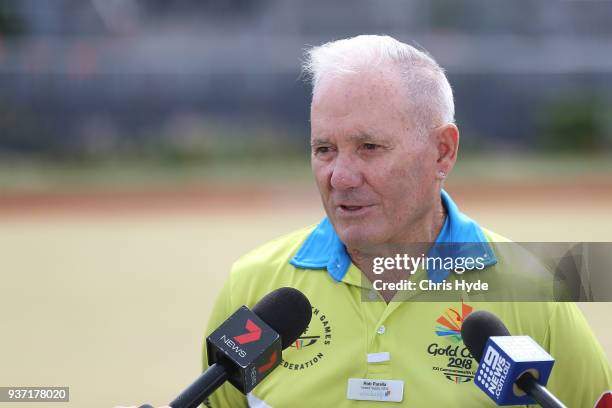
269	197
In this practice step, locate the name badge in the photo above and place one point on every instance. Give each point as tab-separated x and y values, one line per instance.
368	389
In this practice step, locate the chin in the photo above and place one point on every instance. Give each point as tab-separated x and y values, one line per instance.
357	237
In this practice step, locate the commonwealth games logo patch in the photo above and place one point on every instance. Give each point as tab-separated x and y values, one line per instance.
311	347
449	323
451	357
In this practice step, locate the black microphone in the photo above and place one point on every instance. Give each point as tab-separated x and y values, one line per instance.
506	372
247	346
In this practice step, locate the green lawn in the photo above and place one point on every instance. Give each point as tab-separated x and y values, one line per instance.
115	306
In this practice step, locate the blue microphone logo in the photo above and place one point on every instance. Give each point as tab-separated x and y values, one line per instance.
504	360
492	372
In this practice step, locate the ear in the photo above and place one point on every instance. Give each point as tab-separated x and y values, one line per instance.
447	143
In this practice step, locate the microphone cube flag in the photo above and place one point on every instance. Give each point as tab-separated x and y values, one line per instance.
247	346
504	360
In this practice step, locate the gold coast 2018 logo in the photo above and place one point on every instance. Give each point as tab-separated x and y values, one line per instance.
309	349
453	360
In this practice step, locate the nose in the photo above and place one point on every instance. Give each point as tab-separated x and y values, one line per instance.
346	173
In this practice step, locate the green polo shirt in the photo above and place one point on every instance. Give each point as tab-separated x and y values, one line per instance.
418	343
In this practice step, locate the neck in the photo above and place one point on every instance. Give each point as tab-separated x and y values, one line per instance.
414	243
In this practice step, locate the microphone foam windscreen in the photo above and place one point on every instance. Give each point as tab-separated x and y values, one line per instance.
287	311
478	327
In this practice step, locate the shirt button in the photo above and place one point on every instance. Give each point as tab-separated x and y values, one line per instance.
372	295
381	330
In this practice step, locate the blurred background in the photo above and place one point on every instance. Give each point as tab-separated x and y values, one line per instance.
146	144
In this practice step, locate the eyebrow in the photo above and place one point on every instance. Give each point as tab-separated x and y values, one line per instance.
319	141
359	138
366	138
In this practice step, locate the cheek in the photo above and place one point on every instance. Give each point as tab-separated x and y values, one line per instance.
321	175
405	188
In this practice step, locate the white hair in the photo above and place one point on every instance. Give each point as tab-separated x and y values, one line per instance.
429	94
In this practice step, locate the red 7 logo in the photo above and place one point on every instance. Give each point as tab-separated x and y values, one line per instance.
269	364
253	333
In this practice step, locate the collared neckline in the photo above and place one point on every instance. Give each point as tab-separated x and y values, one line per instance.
323	249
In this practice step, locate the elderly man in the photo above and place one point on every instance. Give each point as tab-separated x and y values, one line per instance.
383	140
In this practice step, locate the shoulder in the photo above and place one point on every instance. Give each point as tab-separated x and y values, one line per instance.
523	272
274	253
266	267
494	236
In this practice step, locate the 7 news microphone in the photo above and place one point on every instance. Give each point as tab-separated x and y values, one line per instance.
247	346
513	370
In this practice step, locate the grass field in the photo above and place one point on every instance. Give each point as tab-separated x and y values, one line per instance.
110	295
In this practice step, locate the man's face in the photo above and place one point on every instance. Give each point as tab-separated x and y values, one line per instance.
376	176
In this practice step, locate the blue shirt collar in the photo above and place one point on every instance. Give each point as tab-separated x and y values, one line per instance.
323	249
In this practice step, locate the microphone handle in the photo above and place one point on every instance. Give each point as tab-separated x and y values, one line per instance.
538	392
201	388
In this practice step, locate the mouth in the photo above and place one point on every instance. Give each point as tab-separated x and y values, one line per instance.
351	207
348	210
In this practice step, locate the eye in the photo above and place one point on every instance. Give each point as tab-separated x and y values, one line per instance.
370	146
322	150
